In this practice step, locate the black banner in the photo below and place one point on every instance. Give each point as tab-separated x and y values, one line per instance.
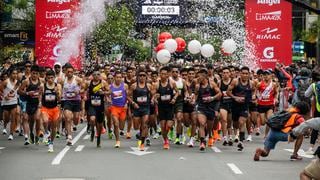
17	37
161	12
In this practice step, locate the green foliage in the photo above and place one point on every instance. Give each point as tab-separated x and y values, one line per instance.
311	35
115	30
134	50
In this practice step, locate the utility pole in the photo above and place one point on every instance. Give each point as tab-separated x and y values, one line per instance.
318	37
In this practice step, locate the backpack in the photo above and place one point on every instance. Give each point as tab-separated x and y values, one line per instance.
278	120
303	85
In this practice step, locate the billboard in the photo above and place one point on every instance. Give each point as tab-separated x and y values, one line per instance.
269	31
51	26
160	12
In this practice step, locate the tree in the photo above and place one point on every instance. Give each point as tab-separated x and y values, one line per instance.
115	30
311	35
135	50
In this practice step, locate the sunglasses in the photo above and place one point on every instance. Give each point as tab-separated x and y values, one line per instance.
142	75
96	74
175	71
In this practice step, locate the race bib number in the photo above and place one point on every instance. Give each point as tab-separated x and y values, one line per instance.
117	95
49	97
96	102
266	97
71	94
142	99
165	98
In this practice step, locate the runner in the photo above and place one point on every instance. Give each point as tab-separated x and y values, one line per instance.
31	89
71	100
141	93
166	98
8	90
178	106
50	110
207	93
129	79
267	92
241	90
118	90
226	107
107	105
95	101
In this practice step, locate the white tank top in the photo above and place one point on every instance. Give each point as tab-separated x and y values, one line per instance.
9	91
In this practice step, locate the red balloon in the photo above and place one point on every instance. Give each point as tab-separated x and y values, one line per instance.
164	36
181	44
224	53
159	47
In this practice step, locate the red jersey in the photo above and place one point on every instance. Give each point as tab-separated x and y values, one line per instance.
266	94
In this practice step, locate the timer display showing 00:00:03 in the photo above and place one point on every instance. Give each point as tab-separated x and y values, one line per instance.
170	10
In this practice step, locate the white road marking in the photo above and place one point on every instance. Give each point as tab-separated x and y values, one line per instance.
301	153
79	148
137	152
86	137
63	179
2	148
58	158
215	149
234	168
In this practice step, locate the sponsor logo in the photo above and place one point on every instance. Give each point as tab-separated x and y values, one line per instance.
268	2
56	32
22	36
270	16
269	34
56	51
63	14
268	55
58	1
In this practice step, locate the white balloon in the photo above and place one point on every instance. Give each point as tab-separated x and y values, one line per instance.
194	47
171	45
229	46
163	56
207	50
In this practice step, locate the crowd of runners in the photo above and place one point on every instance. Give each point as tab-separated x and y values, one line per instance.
197	103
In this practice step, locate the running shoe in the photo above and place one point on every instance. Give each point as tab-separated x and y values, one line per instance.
21	132
139	143
295	158
69	141
121	133
191	142
74	128
310	151
182	139
258	132
128	135
225	143
202	146
148	142
138	135
166	146
58	134
159	130
141	147
236	139
155	136
230	143
50	148
216	135
4	132
103	130
117	145
257	154
210	142
177	141
110	134
249	138
10	138
240	146
171	135
26	141
37	140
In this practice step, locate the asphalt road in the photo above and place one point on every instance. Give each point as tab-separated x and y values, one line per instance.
84	161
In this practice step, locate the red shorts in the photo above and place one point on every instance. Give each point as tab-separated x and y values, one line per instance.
52	113
119	112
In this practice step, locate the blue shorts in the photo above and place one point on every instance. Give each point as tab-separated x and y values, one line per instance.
273	138
23	105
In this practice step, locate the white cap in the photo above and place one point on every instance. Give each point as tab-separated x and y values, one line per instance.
57	63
